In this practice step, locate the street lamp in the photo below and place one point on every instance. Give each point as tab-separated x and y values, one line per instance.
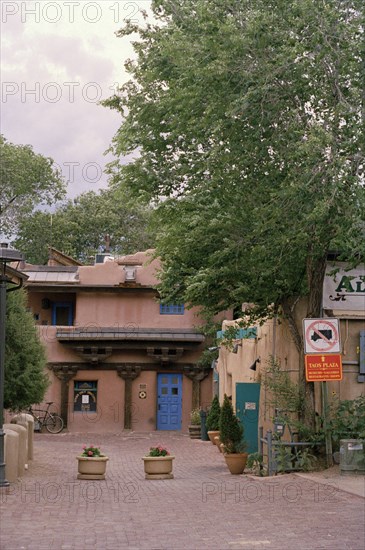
7	255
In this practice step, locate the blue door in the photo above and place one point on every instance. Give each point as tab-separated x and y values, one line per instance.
169	401
247	410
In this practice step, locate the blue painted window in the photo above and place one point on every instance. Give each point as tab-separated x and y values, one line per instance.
62	314
172	309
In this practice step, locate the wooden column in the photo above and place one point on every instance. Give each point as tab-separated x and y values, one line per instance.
195	401
196	375
65	374
128	373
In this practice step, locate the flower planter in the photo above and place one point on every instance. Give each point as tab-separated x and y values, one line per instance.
212	435
236	462
218	444
194	431
91	467
158	467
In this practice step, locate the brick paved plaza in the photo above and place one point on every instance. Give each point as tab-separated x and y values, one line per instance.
204	506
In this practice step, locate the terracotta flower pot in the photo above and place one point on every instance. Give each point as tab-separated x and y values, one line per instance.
212	435
236	462
219	444
91	467
158	467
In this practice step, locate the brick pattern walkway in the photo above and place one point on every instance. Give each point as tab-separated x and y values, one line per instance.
203	507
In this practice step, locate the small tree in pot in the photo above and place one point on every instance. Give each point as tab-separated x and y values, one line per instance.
212	422
231	435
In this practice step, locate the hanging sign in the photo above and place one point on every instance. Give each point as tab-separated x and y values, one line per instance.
344	291
323	368
321	336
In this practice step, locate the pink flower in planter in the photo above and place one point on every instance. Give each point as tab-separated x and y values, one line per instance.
91	451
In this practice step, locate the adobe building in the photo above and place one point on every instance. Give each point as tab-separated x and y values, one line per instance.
239	369
117	358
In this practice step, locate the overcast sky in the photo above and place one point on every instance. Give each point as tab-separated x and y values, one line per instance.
58	60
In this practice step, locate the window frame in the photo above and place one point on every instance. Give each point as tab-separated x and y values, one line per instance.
69	305
172	309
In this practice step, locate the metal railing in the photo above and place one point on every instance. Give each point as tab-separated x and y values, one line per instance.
273	450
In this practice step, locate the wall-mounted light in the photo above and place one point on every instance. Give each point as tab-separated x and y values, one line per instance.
46	303
214	348
253	366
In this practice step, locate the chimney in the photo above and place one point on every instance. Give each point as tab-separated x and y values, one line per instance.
107	244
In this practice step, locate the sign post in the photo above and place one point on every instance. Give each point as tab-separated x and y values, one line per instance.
323	363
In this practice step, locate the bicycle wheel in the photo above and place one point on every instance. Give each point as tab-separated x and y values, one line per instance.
54	424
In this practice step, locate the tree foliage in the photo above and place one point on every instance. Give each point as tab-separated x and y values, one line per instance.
78	227
27	180
25	359
247	118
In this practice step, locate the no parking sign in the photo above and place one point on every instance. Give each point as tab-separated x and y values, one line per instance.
321	336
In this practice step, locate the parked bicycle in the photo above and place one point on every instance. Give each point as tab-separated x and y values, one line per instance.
46	419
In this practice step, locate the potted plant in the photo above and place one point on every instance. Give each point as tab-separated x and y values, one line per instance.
195	424
212	422
158	463
91	463
231	435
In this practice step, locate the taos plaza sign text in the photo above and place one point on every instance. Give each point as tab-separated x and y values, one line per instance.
323	368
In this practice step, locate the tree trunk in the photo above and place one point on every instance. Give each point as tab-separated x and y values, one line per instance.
315	271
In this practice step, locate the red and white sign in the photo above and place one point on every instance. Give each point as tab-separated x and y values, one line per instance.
323	368
321	336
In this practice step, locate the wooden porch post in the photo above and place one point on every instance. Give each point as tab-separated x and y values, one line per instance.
65	374
128	373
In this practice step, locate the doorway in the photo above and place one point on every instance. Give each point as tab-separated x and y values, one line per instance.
247	410
169	401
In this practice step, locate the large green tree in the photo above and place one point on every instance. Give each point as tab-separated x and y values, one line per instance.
248	118
27	180
25	359
79	227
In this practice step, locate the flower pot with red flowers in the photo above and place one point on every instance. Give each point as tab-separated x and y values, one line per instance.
158	463
91	463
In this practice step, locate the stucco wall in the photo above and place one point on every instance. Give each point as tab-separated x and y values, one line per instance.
110	412
128	310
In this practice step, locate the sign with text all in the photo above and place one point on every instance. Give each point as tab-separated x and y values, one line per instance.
323	368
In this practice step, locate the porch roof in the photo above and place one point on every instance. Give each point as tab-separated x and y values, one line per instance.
127	334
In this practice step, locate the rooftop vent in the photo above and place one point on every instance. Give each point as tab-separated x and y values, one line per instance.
130	273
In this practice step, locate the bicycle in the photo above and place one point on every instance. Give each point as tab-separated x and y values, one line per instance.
51	421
